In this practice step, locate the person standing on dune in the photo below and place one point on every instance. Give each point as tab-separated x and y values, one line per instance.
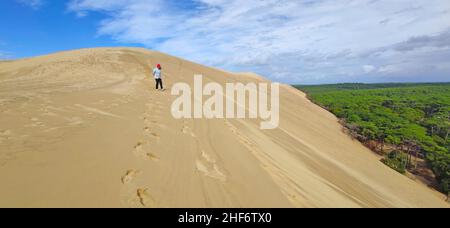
157	74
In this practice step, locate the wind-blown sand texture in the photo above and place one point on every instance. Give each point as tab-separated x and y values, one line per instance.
86	128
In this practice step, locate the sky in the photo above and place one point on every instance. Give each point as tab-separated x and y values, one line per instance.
290	41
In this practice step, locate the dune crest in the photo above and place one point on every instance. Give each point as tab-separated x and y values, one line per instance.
86	128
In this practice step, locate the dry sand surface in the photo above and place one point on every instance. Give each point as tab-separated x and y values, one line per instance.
87	129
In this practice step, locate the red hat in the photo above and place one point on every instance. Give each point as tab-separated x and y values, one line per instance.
159	65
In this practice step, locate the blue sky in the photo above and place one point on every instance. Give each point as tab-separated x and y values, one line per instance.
293	41
30	30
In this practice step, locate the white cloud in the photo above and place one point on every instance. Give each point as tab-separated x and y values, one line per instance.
296	40
389	69
34	4
369	69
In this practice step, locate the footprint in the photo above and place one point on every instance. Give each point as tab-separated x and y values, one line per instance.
5	133
152	157
145	198
201	167
212	172
150	121
207	157
147	129
138	145
185	130
207	165
154	124
129	176
75	121
36	123
154	135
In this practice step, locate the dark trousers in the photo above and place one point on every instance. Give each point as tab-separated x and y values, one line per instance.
158	83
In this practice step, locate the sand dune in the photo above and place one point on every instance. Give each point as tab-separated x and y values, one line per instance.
86	129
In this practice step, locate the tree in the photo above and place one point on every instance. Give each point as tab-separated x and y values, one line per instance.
412	148
446	134
413	118
396	160
389	104
381	137
431	109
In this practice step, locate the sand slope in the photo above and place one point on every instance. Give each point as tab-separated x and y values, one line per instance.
86	129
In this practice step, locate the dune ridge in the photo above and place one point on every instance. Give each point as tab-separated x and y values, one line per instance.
86	128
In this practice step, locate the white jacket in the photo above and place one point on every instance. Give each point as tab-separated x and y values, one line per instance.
157	73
